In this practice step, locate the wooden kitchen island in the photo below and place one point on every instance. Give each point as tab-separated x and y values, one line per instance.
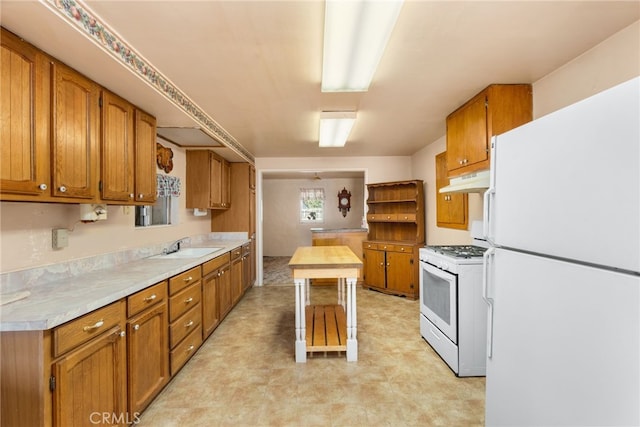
331	327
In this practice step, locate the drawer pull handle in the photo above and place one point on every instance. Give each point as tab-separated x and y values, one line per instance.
188	279
150	298
191	347
188	300
189	324
98	324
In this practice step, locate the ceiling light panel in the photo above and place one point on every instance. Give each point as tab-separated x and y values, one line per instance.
335	128
355	36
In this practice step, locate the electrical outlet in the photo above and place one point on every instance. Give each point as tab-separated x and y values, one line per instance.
60	238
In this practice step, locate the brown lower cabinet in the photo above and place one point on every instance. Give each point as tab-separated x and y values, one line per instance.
89	376
391	268
107	366
147	344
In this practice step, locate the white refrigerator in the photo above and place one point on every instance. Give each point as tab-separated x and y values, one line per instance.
562	276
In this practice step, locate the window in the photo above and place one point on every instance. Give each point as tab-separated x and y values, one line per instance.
311	204
165	210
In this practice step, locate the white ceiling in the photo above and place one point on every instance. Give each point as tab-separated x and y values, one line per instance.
255	66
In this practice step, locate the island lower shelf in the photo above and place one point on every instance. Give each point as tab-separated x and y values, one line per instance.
326	328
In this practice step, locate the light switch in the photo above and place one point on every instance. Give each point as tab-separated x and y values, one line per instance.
60	238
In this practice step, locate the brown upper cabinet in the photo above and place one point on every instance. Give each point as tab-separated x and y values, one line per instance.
495	110
75	131
145	158
208	180
117	148
452	209
24	119
65	139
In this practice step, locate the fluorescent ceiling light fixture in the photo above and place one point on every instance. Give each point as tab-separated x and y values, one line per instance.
335	127
356	33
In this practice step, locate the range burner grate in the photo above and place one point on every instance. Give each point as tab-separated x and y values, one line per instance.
459	251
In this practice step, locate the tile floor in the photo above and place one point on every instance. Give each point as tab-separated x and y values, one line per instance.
245	373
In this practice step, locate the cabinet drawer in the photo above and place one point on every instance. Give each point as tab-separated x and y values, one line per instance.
184	325
382	217
408	217
369	245
182	280
402	248
183	301
235	254
81	330
185	349
146	298
215	264
386	247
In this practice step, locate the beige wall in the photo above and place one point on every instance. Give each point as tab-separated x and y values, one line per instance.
607	64
282	230
25	229
280	237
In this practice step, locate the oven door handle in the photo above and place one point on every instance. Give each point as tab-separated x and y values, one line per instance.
487	257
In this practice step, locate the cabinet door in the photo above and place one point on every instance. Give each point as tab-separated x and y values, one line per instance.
117	148
467	141
215	178
236	280
225	185
400	272
148	356
24	118
145	160
374	268
90	380
210	309
224	287
75	134
451	208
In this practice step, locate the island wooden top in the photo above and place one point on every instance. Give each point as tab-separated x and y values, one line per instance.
325	261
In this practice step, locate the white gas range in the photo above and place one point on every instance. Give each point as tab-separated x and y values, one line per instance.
453	315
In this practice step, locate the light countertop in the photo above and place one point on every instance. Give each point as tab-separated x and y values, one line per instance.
57	302
339	230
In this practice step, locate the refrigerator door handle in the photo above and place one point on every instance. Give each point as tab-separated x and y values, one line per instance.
490	194
488	255
486	214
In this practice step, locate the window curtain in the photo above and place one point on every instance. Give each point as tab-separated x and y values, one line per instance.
168	186
309	194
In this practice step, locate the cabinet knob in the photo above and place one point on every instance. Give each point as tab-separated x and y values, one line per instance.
62	189
131	195
43	187
188	300
140	196
122	334
136	327
188	279
188	324
191	347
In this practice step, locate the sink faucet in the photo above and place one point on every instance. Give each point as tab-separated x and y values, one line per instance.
175	246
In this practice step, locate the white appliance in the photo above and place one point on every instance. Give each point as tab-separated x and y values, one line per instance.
562	278
452	311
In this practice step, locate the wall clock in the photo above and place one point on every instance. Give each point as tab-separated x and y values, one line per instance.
344	201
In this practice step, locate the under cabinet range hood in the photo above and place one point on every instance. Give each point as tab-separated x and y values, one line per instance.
475	182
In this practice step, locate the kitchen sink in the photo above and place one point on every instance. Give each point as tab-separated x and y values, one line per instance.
187	253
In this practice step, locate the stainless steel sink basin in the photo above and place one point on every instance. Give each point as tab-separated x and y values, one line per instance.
187	253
